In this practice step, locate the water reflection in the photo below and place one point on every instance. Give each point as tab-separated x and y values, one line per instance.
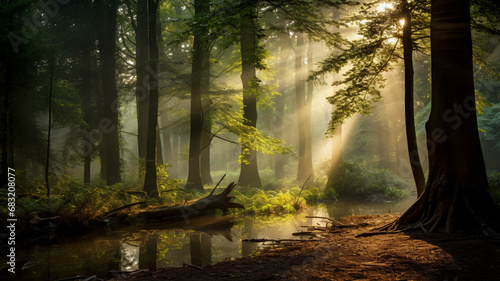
204	241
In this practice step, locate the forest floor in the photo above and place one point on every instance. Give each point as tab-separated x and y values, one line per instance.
342	256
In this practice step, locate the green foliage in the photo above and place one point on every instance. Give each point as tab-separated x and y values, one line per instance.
494	184
267	202
356	182
227	119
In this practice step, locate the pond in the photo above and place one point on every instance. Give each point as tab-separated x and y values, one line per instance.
199	242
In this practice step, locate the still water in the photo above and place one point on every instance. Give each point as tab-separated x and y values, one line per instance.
202	241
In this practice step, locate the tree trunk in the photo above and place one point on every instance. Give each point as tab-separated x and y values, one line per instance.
142	86
49	129
200	50
278	125
411	136
159	149
206	135
167	143
5	110
150	181
337	147
249	173
456	197
206	139
86	96
109	124
303	108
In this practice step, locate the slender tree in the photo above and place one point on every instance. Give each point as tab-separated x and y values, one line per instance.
411	136
49	127
141	64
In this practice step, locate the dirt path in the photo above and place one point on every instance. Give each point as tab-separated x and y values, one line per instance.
342	256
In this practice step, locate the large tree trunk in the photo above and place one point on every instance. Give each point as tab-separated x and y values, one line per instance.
249	173
200	50
109	124
142	87
150	182
411	136
456	197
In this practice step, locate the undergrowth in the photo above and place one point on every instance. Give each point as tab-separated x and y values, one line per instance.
494	184
354	181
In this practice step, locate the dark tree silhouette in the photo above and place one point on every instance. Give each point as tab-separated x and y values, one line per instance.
109	123
141	88
456	198
150	182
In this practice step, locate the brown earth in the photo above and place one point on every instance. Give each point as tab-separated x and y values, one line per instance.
342	256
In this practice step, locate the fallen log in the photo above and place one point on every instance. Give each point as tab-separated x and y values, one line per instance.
221	201
261	240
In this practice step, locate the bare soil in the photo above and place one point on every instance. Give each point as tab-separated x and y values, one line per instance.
340	255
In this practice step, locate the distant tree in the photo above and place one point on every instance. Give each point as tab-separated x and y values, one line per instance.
303	101
456	197
141	64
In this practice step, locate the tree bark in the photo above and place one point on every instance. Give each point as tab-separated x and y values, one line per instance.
49	129
86	95
206	135
150	181
456	197
206	139
110	122
5	113
142	85
411	136
200	50
249	173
